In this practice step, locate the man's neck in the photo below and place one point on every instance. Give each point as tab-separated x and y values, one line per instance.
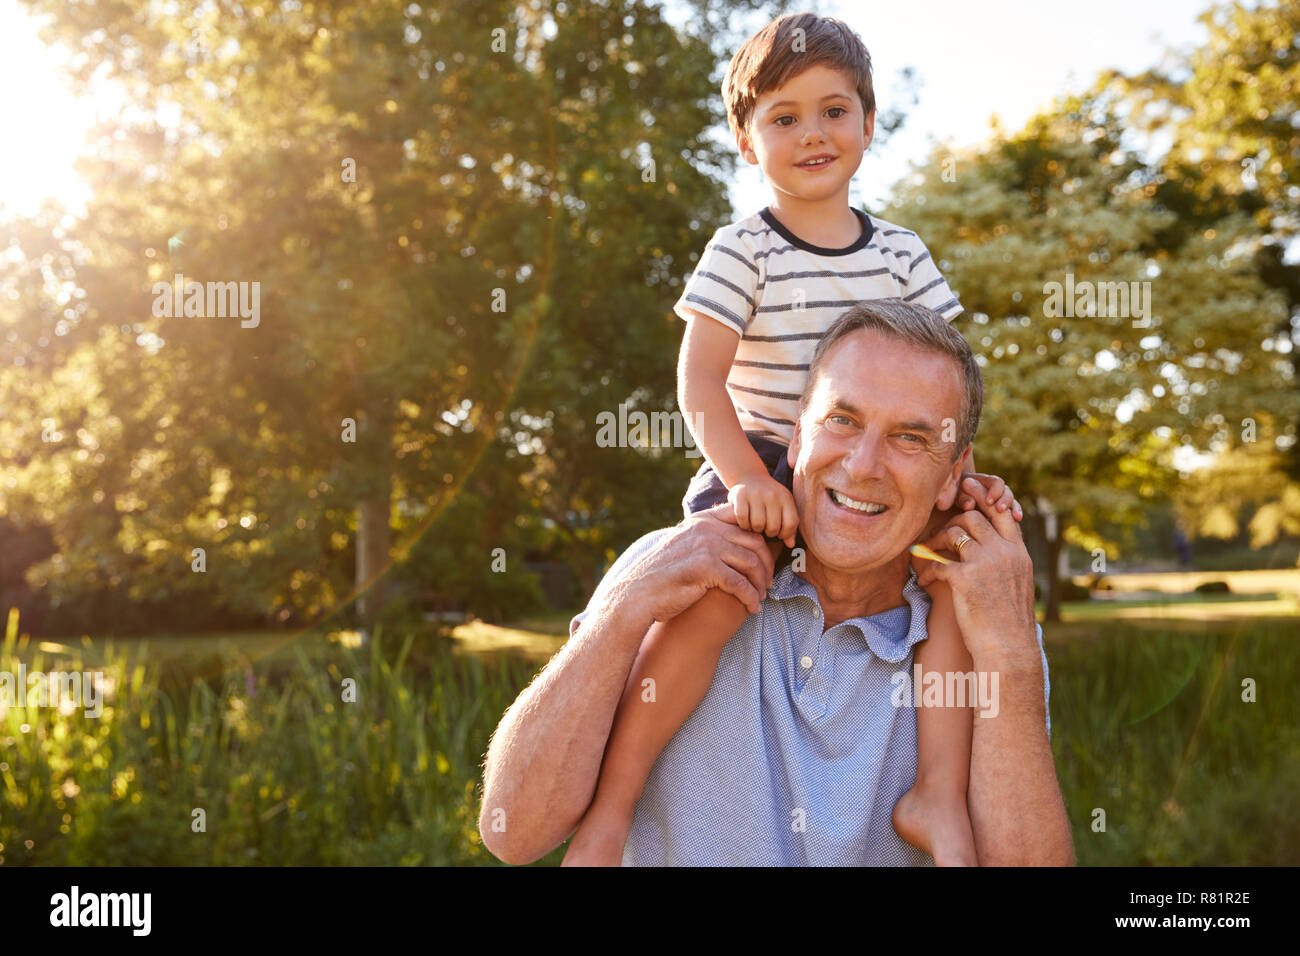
844	595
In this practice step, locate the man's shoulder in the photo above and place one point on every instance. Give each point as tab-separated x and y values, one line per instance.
631	554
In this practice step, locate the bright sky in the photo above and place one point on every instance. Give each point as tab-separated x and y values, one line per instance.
974	57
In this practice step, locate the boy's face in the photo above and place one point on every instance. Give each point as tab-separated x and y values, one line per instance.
818	113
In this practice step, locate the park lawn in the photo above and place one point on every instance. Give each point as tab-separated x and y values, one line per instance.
1178	582
1188	607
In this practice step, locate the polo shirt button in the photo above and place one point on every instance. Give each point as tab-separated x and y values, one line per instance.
806	662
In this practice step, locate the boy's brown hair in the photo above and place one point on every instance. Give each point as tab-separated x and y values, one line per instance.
779	52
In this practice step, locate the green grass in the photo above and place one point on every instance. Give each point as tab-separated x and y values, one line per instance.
1152	729
1148	723
288	774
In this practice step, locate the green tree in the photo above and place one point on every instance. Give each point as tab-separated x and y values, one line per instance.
1228	110
467	223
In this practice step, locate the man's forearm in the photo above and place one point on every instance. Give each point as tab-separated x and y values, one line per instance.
1015	804
544	759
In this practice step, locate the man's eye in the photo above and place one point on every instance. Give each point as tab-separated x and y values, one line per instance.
838	420
912	437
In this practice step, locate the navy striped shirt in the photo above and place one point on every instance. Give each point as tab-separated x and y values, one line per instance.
780	293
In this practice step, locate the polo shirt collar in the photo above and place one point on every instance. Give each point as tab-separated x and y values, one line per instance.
887	639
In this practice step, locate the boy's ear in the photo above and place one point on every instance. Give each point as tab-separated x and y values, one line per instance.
746	148
869	129
952	484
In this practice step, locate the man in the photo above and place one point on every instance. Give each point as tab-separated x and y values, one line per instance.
798	752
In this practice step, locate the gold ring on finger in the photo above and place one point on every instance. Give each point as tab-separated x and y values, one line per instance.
961	542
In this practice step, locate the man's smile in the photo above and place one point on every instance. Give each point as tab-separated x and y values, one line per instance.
858	507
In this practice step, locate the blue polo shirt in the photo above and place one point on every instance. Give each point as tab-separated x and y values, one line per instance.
797	754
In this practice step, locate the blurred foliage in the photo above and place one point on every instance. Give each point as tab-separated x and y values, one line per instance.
500	271
1246	485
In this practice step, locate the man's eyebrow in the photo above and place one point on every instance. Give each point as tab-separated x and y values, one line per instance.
917	427
828	96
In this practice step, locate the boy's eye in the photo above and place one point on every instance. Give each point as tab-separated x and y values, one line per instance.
840	111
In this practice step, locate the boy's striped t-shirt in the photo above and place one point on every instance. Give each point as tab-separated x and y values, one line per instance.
780	293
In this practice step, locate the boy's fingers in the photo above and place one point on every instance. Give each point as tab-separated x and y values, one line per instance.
790	522
771	516
1001	521
933	571
742	516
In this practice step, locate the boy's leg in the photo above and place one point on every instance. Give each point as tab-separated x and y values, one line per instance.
932	816
680	656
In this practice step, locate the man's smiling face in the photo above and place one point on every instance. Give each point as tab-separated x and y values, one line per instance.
869	456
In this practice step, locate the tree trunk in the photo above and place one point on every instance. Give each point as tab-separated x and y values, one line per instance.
374	538
374	512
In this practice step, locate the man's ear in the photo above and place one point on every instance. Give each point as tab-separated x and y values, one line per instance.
952	484
792	453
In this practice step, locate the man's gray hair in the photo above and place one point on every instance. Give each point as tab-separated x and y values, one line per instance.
918	326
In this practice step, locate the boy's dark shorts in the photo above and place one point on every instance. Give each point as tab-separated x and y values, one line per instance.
706	489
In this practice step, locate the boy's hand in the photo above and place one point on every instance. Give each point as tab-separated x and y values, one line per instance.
766	506
992	489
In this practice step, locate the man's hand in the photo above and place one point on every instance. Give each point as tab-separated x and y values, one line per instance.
992	581
766	506
707	550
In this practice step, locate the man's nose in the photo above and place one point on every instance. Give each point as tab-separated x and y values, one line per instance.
864	461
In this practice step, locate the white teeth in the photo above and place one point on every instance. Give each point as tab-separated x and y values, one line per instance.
866	507
816	162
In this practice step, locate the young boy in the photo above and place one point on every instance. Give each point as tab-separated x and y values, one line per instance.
800	101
